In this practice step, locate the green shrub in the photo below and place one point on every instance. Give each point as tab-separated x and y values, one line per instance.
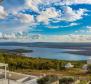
89	68
66	81
47	79
43	80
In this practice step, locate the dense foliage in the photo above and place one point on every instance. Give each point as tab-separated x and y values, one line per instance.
66	81
43	80
18	61
89	68
15	50
47	79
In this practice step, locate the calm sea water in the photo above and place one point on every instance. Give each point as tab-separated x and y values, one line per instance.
50	53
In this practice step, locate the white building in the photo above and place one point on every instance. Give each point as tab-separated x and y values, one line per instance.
89	61
4	71
69	65
85	67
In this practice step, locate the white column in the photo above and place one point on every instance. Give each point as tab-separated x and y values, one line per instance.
5	73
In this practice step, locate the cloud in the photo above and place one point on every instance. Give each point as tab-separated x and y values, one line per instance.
80	1
69	2
65	38
66	2
25	18
3	13
73	24
87	30
13	5
15	21
88	27
23	37
72	15
12	36
19	37
17	5
33	4
70	25
47	14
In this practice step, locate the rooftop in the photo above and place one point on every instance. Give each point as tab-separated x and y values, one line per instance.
3	64
18	78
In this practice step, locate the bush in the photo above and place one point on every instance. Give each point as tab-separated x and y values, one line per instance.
66	81
47	80
89	68
43	80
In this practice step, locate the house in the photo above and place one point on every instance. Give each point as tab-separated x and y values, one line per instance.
85	67
69	65
89	61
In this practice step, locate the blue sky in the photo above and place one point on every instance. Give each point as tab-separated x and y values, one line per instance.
45	21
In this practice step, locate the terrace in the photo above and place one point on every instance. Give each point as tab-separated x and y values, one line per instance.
7	77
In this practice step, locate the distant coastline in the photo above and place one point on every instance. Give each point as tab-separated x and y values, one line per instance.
59	45
83	52
50	50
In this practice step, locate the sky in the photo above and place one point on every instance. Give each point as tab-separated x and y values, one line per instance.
45	20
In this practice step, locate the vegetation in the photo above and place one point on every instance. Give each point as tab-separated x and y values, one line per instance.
15	50
89	68
18	61
83	82
47	79
66	81
39	66
43	80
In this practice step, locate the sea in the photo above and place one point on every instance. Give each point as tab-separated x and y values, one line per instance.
49	53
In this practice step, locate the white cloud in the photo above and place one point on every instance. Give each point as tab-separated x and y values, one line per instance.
70	25
3	13
77	1
73	24
13	5
21	36
33	4
12	36
72	15
70	2
87	30
20	22
14	26
17	5
65	38
54	27
47	14
67	2
88	27
25	18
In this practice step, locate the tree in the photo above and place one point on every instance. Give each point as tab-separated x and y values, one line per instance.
43	80
89	68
